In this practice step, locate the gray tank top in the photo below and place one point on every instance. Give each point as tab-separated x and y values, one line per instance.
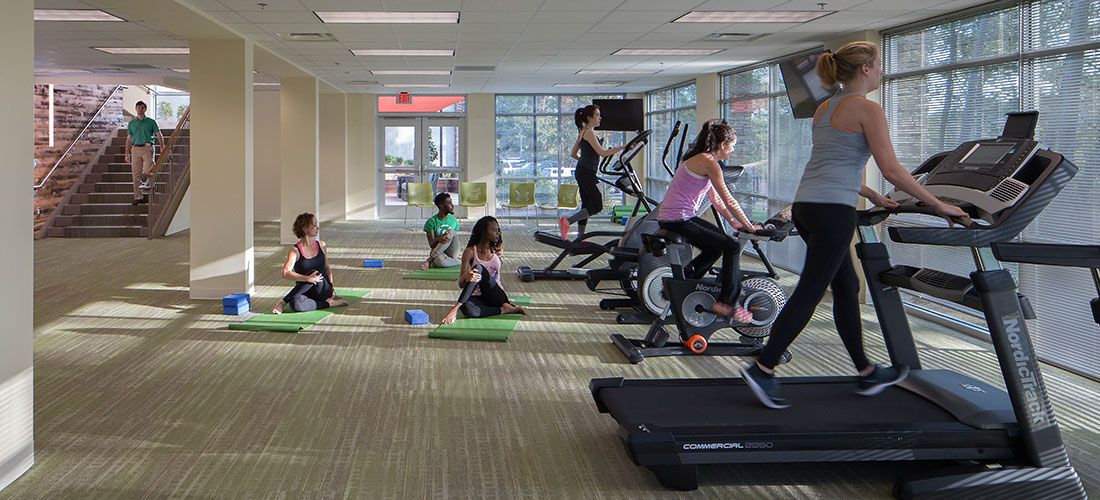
834	173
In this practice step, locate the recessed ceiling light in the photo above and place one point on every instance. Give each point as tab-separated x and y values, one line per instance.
180	70
144	50
73	15
588	84
666	52
616	72
763	16
59	70
387	17
411	72
404	52
403	85
265	84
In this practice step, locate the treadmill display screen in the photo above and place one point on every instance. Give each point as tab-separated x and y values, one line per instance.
986	155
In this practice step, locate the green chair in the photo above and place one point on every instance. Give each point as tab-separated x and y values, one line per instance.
520	195
567	198
473	194
420	196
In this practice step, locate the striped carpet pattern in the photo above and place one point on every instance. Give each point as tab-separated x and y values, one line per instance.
141	393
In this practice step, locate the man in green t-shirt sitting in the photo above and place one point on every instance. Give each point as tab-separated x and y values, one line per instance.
442	232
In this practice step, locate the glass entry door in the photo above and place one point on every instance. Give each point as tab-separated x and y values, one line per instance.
419	149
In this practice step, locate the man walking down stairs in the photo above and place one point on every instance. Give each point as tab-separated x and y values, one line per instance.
140	133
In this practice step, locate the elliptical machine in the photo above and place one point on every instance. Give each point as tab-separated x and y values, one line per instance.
690	301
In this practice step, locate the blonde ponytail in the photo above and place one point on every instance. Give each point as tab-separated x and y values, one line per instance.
843	65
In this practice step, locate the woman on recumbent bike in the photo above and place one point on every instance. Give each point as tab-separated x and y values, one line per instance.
700	175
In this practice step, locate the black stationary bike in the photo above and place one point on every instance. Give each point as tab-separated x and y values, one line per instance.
690	302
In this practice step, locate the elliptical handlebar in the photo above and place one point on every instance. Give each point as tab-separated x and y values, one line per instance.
668	145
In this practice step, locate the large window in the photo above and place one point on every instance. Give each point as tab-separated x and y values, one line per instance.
952	80
169	105
666	107
535	134
772	146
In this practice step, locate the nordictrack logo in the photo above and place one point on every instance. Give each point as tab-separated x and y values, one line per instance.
707	288
1025	368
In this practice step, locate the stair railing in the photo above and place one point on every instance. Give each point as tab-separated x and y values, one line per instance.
73	143
175	160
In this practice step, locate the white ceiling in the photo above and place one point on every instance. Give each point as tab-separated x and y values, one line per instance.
532	44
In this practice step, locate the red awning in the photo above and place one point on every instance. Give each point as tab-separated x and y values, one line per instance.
419	104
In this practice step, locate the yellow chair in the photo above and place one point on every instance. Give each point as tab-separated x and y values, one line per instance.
520	195
473	194
567	198
420	196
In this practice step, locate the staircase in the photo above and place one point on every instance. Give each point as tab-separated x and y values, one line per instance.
100	205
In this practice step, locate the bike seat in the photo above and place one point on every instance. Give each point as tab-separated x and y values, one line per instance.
669	236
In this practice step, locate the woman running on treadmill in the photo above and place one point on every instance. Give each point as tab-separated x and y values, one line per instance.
306	264
700	175
479	279
847	129
587	150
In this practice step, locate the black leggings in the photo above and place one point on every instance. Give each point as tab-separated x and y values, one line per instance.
591	197
486	304
306	296
827	229
712	243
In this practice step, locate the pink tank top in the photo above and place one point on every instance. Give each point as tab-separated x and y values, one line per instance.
684	196
492	265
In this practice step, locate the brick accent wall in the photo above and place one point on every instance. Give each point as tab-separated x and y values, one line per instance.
73	106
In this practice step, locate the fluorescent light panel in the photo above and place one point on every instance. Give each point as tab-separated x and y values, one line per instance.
59	70
144	50
404	52
180	70
666	52
763	16
265	84
443	72
616	72
403	85
587	84
330	17
73	15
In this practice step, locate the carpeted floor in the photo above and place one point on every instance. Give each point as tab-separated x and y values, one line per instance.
141	393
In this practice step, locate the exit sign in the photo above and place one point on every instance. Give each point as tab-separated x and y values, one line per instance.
404	98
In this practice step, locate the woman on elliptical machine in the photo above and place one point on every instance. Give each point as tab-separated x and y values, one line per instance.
700	175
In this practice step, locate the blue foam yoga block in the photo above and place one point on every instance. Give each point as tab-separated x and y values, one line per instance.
236	310
372	263
416	317
235	299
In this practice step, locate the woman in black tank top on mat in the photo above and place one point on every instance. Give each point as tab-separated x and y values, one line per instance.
306	264
587	150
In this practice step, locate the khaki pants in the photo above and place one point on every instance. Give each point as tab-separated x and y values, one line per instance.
141	162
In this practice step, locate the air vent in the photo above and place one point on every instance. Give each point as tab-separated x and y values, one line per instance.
1008	190
135	66
736	37
307	37
940	279
475	68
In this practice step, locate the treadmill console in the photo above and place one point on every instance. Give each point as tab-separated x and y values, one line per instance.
1004	182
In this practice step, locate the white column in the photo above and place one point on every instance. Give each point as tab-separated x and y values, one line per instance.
16	305
268	151
221	168
707	95
300	152
362	168
481	146
334	156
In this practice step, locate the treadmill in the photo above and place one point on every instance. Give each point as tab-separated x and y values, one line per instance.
673	426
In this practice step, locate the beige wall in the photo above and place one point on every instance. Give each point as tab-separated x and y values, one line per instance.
300	152
333	157
362	116
481	146
134	93
221	168
707	94
266	136
182	220
16	305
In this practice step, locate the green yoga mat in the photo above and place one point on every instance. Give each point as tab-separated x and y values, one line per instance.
492	329
434	274
295	322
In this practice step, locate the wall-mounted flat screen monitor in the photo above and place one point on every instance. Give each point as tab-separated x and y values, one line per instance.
804	88
620	114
